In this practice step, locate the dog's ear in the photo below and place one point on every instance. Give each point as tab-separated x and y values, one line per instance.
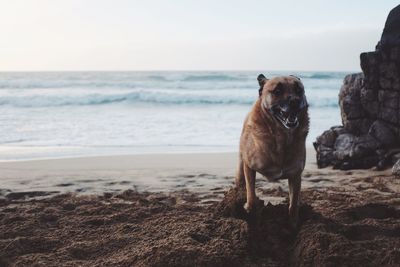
261	81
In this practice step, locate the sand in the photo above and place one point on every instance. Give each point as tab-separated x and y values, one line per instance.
179	210
198	173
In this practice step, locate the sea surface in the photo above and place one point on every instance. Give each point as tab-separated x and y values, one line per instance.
70	114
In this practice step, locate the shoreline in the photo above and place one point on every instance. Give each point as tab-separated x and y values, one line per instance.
197	172
124	152
23	153
33	153
206	174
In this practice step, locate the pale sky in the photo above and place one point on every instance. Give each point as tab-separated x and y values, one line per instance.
188	34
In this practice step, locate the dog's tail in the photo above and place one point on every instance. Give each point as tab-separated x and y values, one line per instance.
240	180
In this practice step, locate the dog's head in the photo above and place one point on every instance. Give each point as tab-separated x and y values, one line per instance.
284	98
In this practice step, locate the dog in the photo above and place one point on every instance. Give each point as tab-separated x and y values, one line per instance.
273	138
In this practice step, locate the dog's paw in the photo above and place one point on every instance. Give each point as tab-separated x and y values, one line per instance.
248	208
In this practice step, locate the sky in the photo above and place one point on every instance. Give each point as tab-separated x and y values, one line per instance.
55	35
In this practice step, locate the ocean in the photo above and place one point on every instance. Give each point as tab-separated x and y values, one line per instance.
72	114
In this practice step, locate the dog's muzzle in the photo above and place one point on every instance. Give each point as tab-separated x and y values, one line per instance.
286	111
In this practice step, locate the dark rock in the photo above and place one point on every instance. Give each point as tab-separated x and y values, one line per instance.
395	54
389	98
328	137
365	146
391	32
324	146
388	114
348	146
382	133
359	126
396	83
368	95
338	130
350	102
355	152
364	163
325	156
368	60
344	146
370	109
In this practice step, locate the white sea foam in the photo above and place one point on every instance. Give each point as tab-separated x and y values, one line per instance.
41	98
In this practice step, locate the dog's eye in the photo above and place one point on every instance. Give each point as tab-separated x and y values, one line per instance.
299	90
278	90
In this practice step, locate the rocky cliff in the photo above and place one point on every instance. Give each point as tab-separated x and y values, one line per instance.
370	109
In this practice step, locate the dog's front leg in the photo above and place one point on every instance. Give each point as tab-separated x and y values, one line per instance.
250	176
294	195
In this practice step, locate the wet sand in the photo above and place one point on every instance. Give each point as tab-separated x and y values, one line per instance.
178	210
208	174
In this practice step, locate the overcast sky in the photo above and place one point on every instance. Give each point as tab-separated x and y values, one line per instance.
188	34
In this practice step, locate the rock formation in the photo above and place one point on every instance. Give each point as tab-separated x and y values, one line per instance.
370	109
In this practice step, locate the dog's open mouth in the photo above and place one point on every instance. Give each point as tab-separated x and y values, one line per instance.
289	120
287	112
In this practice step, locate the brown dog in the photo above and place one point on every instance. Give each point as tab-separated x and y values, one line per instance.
273	139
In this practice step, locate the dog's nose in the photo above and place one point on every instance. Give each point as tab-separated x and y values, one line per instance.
293	102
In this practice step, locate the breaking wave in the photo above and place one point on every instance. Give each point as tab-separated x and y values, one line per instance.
241	97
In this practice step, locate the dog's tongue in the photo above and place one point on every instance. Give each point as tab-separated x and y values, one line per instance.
291	118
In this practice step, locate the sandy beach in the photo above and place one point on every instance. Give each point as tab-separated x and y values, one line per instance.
206	174
179	210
